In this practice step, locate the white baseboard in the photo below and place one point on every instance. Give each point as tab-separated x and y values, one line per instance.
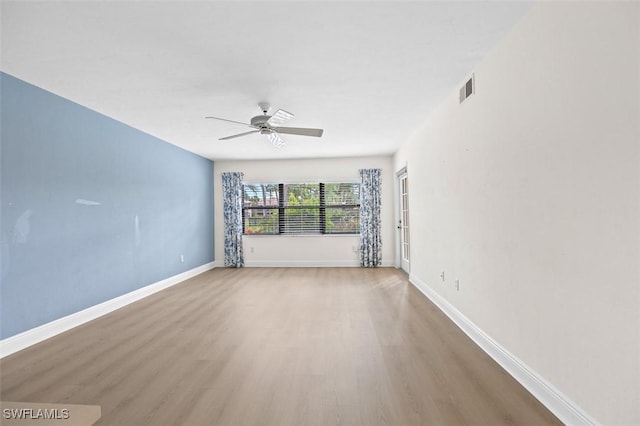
27	338
561	406
307	263
300	263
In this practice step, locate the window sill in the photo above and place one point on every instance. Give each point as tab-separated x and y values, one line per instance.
300	235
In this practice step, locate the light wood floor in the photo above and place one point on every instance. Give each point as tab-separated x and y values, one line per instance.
275	346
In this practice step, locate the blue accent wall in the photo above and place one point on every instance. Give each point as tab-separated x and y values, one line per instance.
91	208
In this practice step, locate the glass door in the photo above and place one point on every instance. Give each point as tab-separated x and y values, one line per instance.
403	224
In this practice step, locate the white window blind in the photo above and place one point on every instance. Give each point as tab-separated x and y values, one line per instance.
301	208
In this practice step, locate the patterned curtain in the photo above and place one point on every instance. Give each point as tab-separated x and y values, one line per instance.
232	194
370	240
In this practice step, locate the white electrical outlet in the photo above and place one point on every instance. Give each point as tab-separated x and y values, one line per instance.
251	249
458	285
182	258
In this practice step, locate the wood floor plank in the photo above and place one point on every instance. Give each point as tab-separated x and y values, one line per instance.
275	346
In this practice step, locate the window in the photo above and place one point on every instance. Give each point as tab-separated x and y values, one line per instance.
260	209
301	208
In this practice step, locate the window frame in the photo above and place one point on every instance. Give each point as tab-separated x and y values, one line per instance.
282	207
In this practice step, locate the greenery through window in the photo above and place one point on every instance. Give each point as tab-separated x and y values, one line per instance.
301	208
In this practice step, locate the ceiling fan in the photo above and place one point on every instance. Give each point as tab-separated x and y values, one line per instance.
269	125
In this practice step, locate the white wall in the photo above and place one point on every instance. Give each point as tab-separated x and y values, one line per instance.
316	250
529	194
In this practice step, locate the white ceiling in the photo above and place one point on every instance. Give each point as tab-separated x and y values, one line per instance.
369	73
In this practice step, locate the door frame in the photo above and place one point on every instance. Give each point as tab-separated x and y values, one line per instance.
403	229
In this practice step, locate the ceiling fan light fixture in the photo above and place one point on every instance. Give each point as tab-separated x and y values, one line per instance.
268	125
279	117
275	139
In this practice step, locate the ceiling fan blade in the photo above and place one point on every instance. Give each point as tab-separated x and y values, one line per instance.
279	117
230	121
299	131
238	135
275	139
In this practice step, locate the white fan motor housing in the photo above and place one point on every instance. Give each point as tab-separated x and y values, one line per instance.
260	120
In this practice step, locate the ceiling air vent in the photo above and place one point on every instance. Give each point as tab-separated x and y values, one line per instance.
468	89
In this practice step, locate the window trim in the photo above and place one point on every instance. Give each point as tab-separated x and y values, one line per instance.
282	207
